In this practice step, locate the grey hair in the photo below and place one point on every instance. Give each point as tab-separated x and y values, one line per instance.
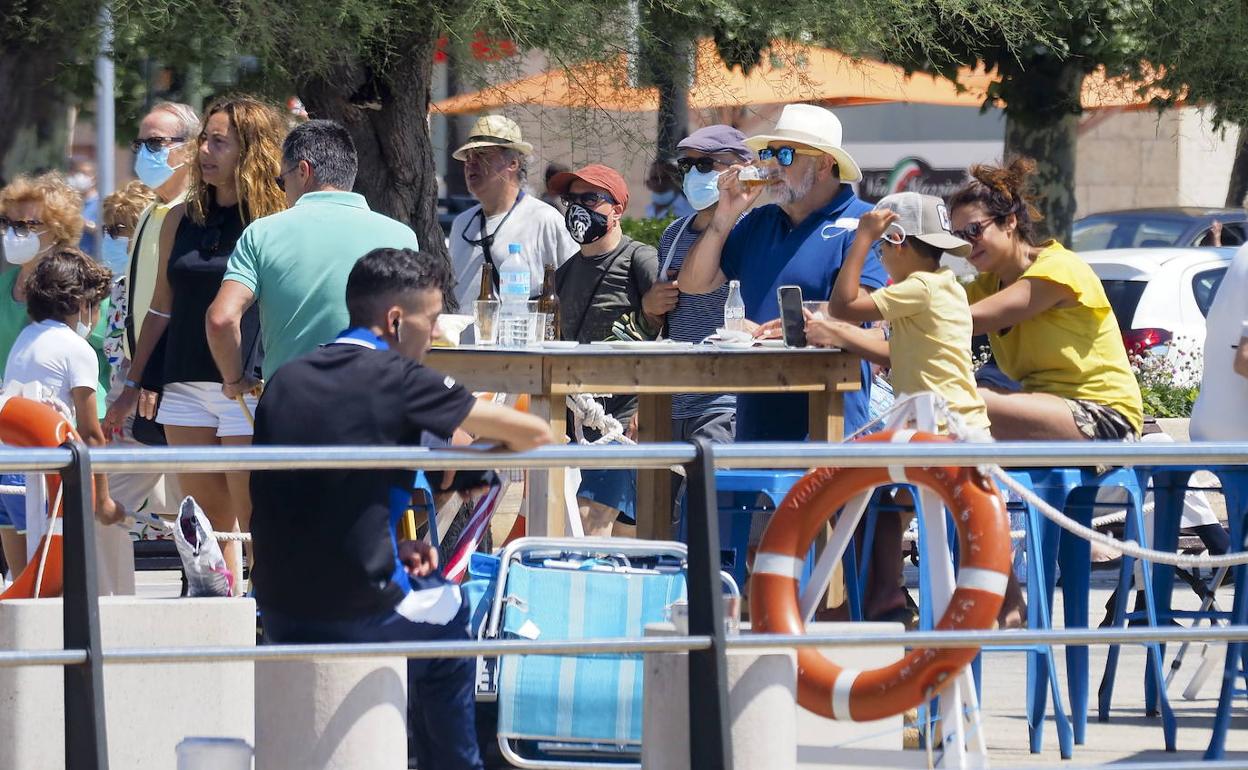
187	117
511	153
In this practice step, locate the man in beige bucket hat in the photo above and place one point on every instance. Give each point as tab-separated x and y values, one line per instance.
495	170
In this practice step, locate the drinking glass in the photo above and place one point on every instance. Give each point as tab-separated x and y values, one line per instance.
814	308
485	318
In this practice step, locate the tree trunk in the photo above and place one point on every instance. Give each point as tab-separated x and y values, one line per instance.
673	86
385	114
1050	139
1237	190
27	94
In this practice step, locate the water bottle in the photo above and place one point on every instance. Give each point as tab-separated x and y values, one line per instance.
734	308
513	313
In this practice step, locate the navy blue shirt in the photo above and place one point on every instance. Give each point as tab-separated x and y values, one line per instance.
764	252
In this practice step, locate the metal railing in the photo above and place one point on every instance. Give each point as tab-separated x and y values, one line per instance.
706	644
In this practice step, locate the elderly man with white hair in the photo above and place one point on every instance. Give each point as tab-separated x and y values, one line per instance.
495	169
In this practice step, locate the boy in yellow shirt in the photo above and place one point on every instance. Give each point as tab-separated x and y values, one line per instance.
929	348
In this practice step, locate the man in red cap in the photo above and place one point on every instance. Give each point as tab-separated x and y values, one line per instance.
605	280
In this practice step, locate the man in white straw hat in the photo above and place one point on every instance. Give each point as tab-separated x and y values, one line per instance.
495	169
800	239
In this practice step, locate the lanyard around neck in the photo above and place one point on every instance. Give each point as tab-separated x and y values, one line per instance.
486	240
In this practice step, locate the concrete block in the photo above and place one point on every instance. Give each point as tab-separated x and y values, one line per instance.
331	714
759	705
149	708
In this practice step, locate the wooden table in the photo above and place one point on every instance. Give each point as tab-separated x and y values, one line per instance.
654	375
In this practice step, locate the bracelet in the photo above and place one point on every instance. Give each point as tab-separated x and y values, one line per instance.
158	314
132	384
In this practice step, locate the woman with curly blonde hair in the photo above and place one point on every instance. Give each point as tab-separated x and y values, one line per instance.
232	183
38	216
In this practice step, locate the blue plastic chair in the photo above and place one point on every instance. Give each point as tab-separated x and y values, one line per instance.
1170	484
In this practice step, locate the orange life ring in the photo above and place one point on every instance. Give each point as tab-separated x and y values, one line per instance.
984	546
27	423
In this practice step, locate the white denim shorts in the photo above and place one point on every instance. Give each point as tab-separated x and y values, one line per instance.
202	405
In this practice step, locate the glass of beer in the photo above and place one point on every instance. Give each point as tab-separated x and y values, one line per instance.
485	318
753	176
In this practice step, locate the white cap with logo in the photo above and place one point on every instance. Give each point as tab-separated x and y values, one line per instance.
926	218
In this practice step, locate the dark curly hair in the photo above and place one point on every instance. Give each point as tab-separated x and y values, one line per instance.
65	282
1002	191
381	275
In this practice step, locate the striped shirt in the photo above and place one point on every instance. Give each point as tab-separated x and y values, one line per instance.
695	317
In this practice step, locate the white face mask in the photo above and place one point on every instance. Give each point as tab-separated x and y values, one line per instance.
20	249
80	328
80	182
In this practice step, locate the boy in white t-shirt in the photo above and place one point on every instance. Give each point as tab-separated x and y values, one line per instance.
63	299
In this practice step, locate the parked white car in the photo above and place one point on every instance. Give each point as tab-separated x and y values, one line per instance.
1161	296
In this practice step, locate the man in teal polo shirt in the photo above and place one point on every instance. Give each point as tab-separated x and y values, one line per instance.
295	263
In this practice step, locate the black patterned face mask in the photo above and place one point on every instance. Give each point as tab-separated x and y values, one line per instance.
585	225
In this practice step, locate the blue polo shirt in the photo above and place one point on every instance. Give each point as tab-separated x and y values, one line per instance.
766	251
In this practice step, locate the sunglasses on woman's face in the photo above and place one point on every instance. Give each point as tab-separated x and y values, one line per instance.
784	155
22	227
589	200
973	230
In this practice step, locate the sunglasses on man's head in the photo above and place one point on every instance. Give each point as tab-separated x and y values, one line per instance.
784	155
588	200
156	143
20	226
973	230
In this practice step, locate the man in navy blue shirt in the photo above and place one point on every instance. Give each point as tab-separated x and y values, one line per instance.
328	568
798	239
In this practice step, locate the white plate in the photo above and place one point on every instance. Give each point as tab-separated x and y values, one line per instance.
559	344
771	343
641	345
725	345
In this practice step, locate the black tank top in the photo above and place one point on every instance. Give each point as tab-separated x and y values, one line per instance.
196	265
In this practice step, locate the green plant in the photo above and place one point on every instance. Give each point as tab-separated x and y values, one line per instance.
647	231
1170	382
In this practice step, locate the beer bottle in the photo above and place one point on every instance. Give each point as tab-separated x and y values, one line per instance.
488	290
548	303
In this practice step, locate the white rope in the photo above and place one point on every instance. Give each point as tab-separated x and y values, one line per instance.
588	413
7	489
1127	547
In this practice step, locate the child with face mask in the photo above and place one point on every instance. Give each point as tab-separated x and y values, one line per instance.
63	298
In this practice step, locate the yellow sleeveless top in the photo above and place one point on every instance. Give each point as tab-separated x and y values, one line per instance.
1071	352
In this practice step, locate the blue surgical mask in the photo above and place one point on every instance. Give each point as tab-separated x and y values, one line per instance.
663	198
115	254
701	189
152	168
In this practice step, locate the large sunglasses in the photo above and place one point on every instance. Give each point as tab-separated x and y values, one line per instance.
156	143
973	230
784	155
21	227
704	165
588	200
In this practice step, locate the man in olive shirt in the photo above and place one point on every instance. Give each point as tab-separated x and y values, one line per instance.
605	280
295	263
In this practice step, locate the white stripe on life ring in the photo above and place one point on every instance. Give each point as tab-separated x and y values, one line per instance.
778	564
983	580
840	694
898	472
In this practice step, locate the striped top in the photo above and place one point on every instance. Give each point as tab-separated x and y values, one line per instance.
695	317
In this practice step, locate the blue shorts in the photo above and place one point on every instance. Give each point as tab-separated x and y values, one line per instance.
13	507
614	488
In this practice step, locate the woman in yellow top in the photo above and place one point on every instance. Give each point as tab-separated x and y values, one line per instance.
1048	320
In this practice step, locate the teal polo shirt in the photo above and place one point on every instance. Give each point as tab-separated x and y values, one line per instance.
297	261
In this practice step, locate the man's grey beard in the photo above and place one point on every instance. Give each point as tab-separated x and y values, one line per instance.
786	192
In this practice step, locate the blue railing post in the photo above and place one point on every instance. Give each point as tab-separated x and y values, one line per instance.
86	744
710	747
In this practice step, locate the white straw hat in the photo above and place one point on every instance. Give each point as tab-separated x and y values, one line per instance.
813	127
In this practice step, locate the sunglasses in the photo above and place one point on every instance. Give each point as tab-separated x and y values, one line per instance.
703	165
973	230
895	234
588	200
21	227
784	155
156	143
116	231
